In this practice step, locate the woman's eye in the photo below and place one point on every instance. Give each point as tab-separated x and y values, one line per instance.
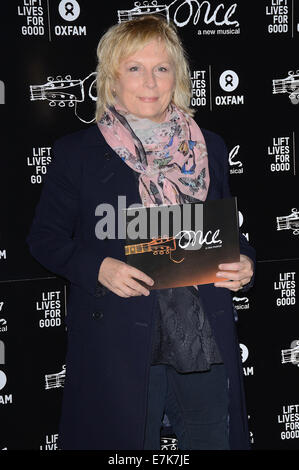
162	69
133	69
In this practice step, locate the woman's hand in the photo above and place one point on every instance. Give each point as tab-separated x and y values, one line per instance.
238	274
121	278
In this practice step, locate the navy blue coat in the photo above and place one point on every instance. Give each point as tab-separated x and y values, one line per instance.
109	337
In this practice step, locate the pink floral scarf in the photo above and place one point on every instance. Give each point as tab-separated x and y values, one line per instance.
172	158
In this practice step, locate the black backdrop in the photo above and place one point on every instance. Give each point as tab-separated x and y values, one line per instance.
244	63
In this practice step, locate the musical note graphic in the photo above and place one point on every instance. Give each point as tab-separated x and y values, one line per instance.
289	85
66	92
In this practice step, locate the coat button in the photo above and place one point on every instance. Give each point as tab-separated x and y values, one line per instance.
97	315
107	156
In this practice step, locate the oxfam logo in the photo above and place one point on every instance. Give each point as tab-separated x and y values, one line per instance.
69	10
2	379
244	352
229	80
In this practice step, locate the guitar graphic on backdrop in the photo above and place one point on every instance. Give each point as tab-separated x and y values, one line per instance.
74	93
158	246
292	354
289	222
55	380
144	8
289	85
169	443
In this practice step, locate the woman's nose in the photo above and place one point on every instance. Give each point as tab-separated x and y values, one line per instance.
150	79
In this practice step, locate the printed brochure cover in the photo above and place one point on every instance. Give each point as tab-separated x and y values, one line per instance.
182	245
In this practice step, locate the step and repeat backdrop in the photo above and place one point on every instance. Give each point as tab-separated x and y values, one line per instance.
245	87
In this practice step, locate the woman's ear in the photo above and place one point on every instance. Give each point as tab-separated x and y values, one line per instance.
112	86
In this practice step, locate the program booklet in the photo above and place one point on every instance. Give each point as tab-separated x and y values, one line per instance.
182	245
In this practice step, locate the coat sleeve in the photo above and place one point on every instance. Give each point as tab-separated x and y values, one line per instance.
51	237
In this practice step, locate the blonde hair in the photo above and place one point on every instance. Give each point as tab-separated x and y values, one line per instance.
123	40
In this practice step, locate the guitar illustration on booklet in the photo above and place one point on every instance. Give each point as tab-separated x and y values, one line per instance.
158	246
290	85
74	93
182	245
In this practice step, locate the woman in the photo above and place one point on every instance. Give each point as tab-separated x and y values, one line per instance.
135	353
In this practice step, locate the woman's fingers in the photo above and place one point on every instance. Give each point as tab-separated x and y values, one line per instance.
231	285
141	276
135	286
237	274
122	279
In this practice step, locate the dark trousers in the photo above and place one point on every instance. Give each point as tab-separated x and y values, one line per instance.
196	405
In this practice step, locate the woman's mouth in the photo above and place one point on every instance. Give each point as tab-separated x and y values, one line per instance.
146	99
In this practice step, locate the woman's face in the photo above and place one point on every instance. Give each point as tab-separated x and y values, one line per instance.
146	82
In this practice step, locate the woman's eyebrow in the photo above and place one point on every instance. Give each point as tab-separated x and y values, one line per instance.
132	61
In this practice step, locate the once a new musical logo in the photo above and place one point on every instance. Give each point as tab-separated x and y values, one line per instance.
185	12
